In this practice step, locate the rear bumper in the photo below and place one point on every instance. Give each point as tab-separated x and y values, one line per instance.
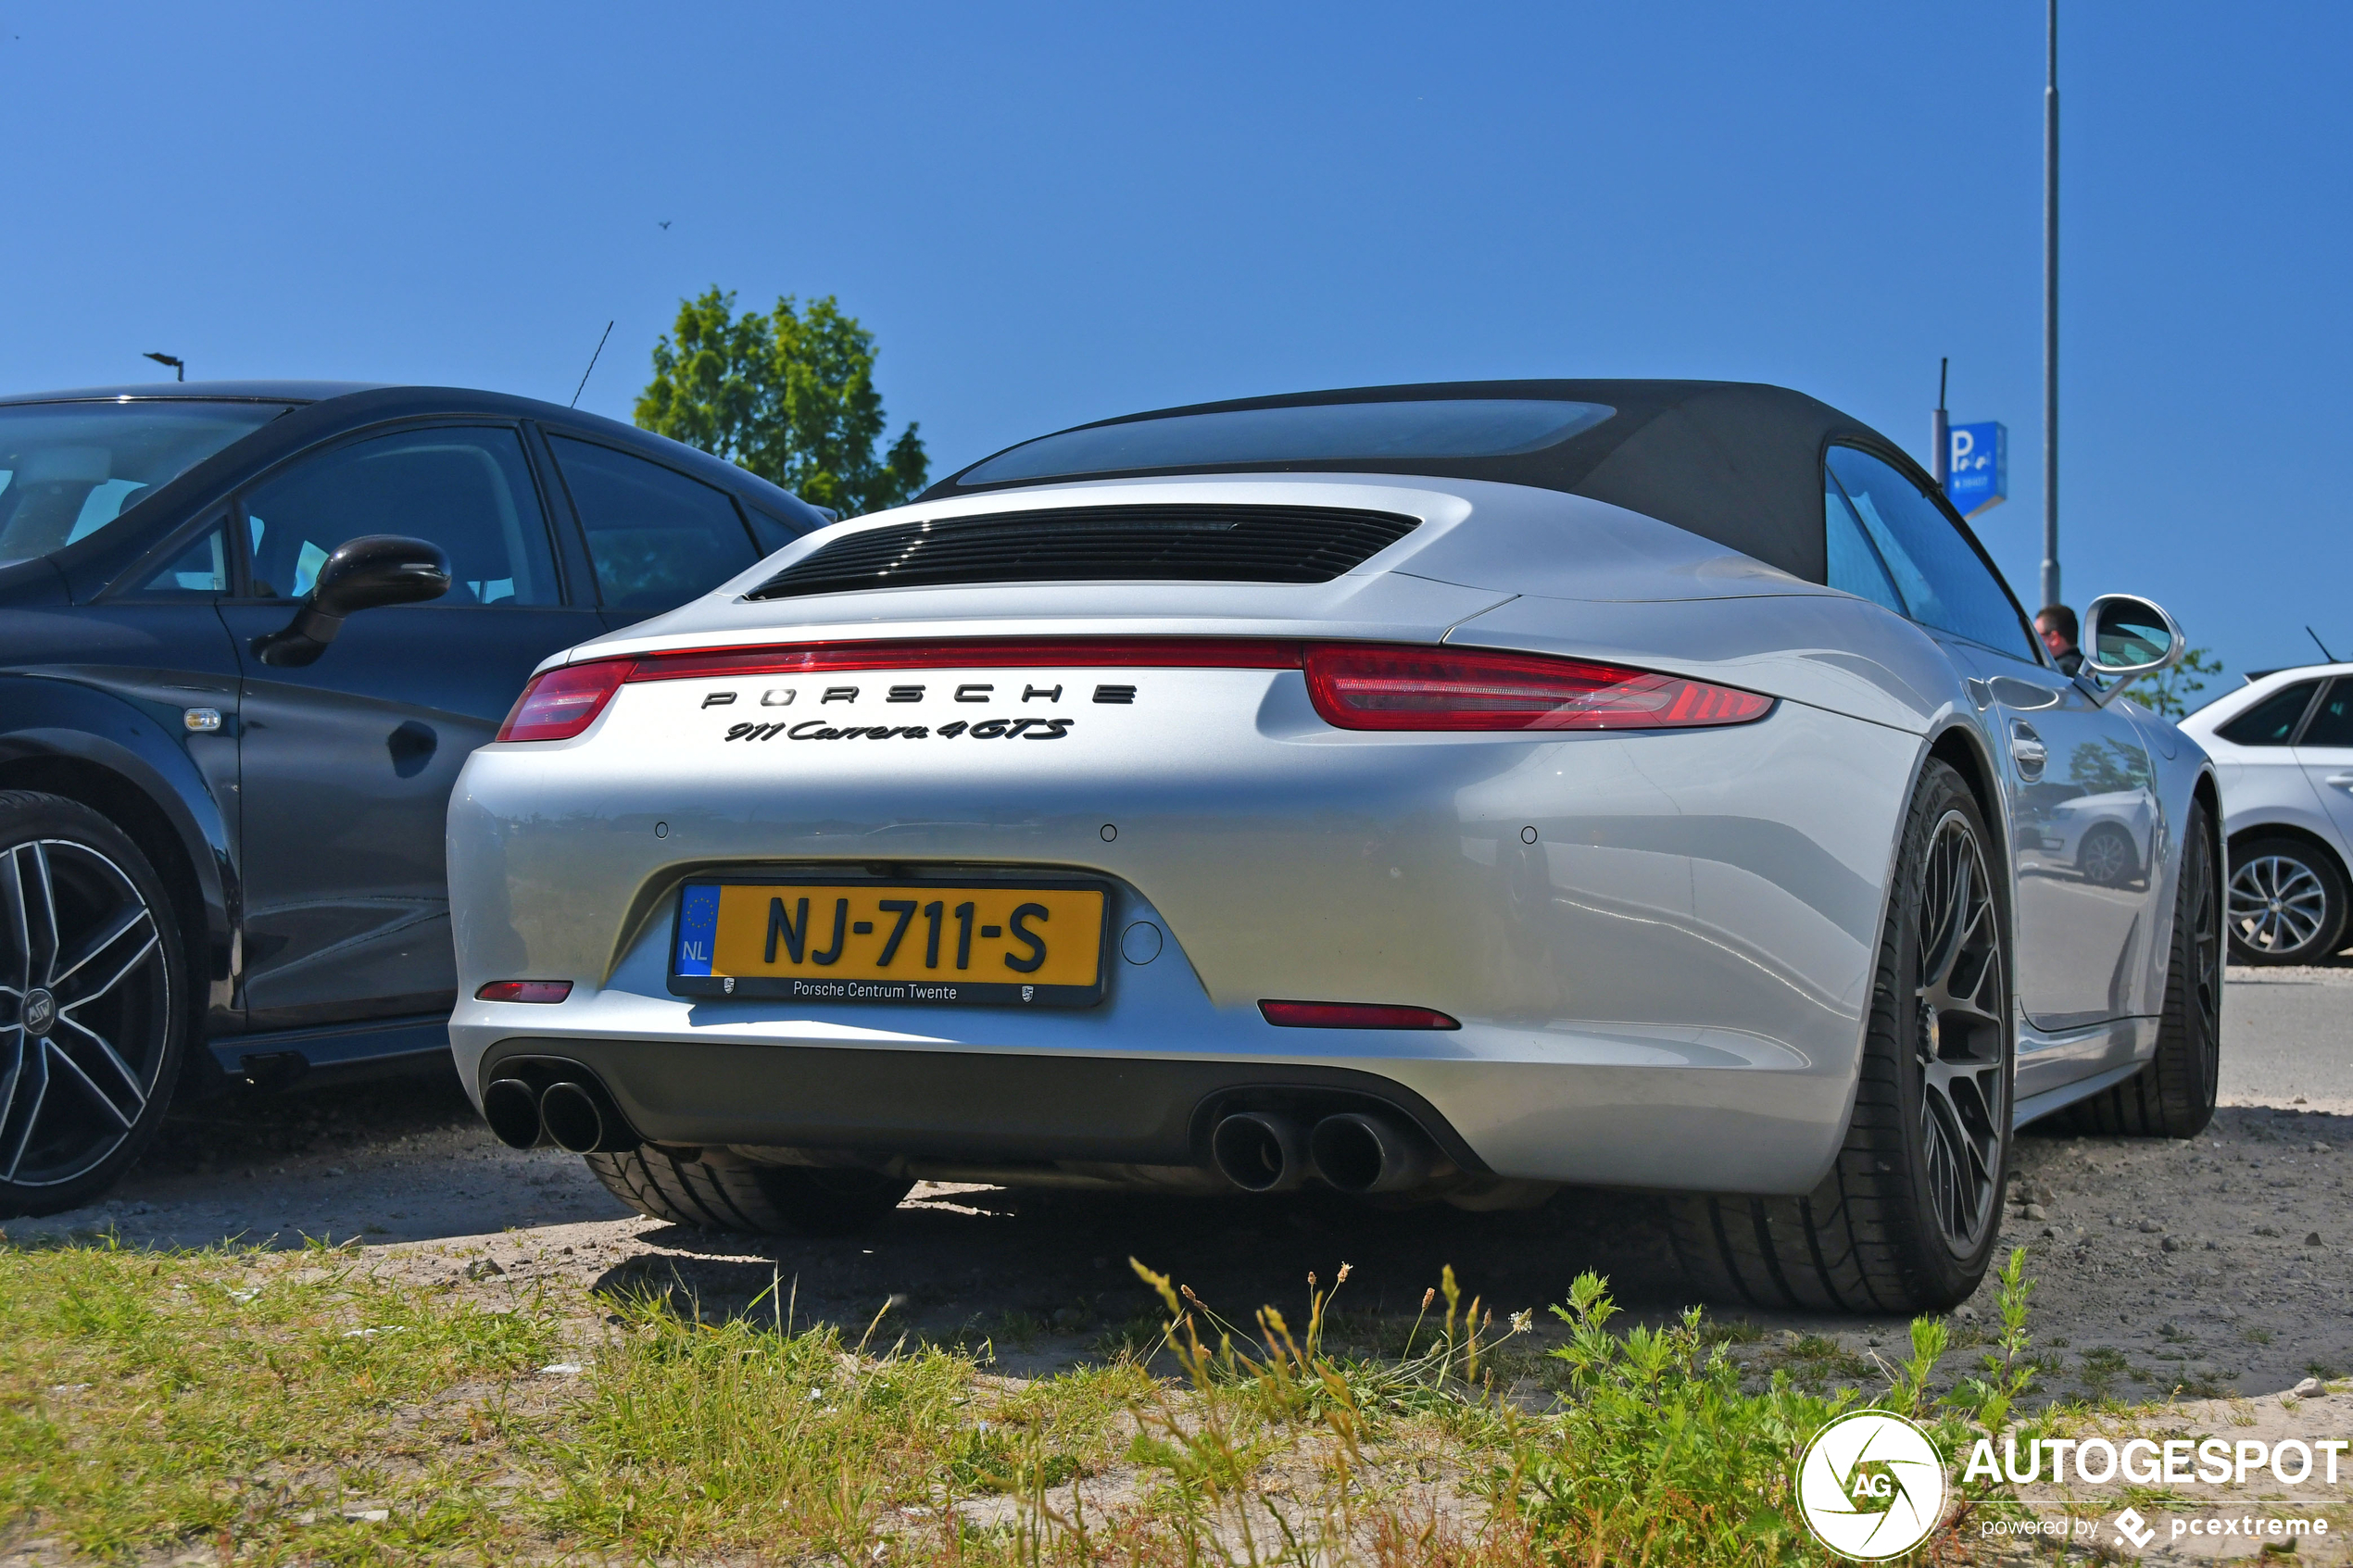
1659	946
951	1106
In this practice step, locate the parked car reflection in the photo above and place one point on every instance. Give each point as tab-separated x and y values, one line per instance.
2096	825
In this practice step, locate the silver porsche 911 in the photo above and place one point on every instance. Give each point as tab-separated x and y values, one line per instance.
1453	792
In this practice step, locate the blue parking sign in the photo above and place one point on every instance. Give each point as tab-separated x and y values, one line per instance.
1979	468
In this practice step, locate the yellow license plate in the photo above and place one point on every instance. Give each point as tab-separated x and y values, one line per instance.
1034	944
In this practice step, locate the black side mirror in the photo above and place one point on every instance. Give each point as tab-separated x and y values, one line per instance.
364	573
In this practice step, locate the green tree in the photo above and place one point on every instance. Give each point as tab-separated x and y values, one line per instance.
789	394
2169	693
2107	767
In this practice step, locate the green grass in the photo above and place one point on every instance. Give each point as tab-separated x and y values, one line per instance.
261	1408
201	1398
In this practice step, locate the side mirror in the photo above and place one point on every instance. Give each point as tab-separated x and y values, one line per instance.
2125	639
368	573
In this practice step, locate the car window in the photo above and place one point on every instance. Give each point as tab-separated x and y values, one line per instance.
1854	563
658	537
1943	581
1469	427
466	490
2332	722
68	469
2272	720
202	568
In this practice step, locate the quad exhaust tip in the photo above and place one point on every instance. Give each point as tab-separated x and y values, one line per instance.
511	1108
581	1119
576	1115
1359	1152
1259	1151
1353	1151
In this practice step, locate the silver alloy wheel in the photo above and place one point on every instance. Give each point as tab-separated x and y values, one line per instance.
2106	857
1962	1044
85	993
2277	904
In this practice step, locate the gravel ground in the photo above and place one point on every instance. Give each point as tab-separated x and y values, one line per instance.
2220	1266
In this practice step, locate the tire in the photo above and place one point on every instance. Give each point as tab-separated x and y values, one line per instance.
1906	1218
2173	1095
93	1011
2286	902
2107	857
728	1194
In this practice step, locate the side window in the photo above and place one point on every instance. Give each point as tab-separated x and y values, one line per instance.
658	537
1943	581
1856	566
466	490
202	568
2272	722
2332	722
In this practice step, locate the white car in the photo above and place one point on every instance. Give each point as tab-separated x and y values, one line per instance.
2283	749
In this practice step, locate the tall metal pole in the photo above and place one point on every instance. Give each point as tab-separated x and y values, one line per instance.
2050	318
1940	431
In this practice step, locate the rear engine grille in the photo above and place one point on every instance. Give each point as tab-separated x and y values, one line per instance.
1097	543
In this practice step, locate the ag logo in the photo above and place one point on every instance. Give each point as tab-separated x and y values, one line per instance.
1872	1485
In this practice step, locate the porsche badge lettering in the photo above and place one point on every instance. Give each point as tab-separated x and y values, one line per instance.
988	729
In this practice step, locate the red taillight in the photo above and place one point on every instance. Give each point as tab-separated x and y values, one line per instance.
1099	653
1353	1015
524	991
561	703
1369	687
1356	685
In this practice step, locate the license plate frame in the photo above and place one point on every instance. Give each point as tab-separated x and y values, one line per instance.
916	986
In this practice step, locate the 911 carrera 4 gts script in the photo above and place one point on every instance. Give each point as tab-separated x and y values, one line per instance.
988	729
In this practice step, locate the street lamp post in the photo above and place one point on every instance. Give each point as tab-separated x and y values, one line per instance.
2050	313
179	369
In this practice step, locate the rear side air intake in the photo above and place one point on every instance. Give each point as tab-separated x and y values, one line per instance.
1097	543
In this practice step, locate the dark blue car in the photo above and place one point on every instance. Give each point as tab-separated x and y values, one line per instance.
248	634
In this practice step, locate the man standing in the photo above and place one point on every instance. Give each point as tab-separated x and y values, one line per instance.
2056	625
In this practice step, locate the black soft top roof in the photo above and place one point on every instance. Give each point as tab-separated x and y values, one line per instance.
1737	463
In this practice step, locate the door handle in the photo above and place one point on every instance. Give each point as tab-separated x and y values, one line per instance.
2341	781
2027	750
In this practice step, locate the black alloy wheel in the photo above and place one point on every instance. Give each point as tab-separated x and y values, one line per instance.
2287	902
2173	1095
90	1018
1906	1218
1960	1042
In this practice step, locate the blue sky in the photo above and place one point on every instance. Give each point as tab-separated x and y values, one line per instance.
1051	214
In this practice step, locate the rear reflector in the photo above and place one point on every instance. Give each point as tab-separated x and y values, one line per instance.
524	991
1370	687
1354	685
1353	1015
